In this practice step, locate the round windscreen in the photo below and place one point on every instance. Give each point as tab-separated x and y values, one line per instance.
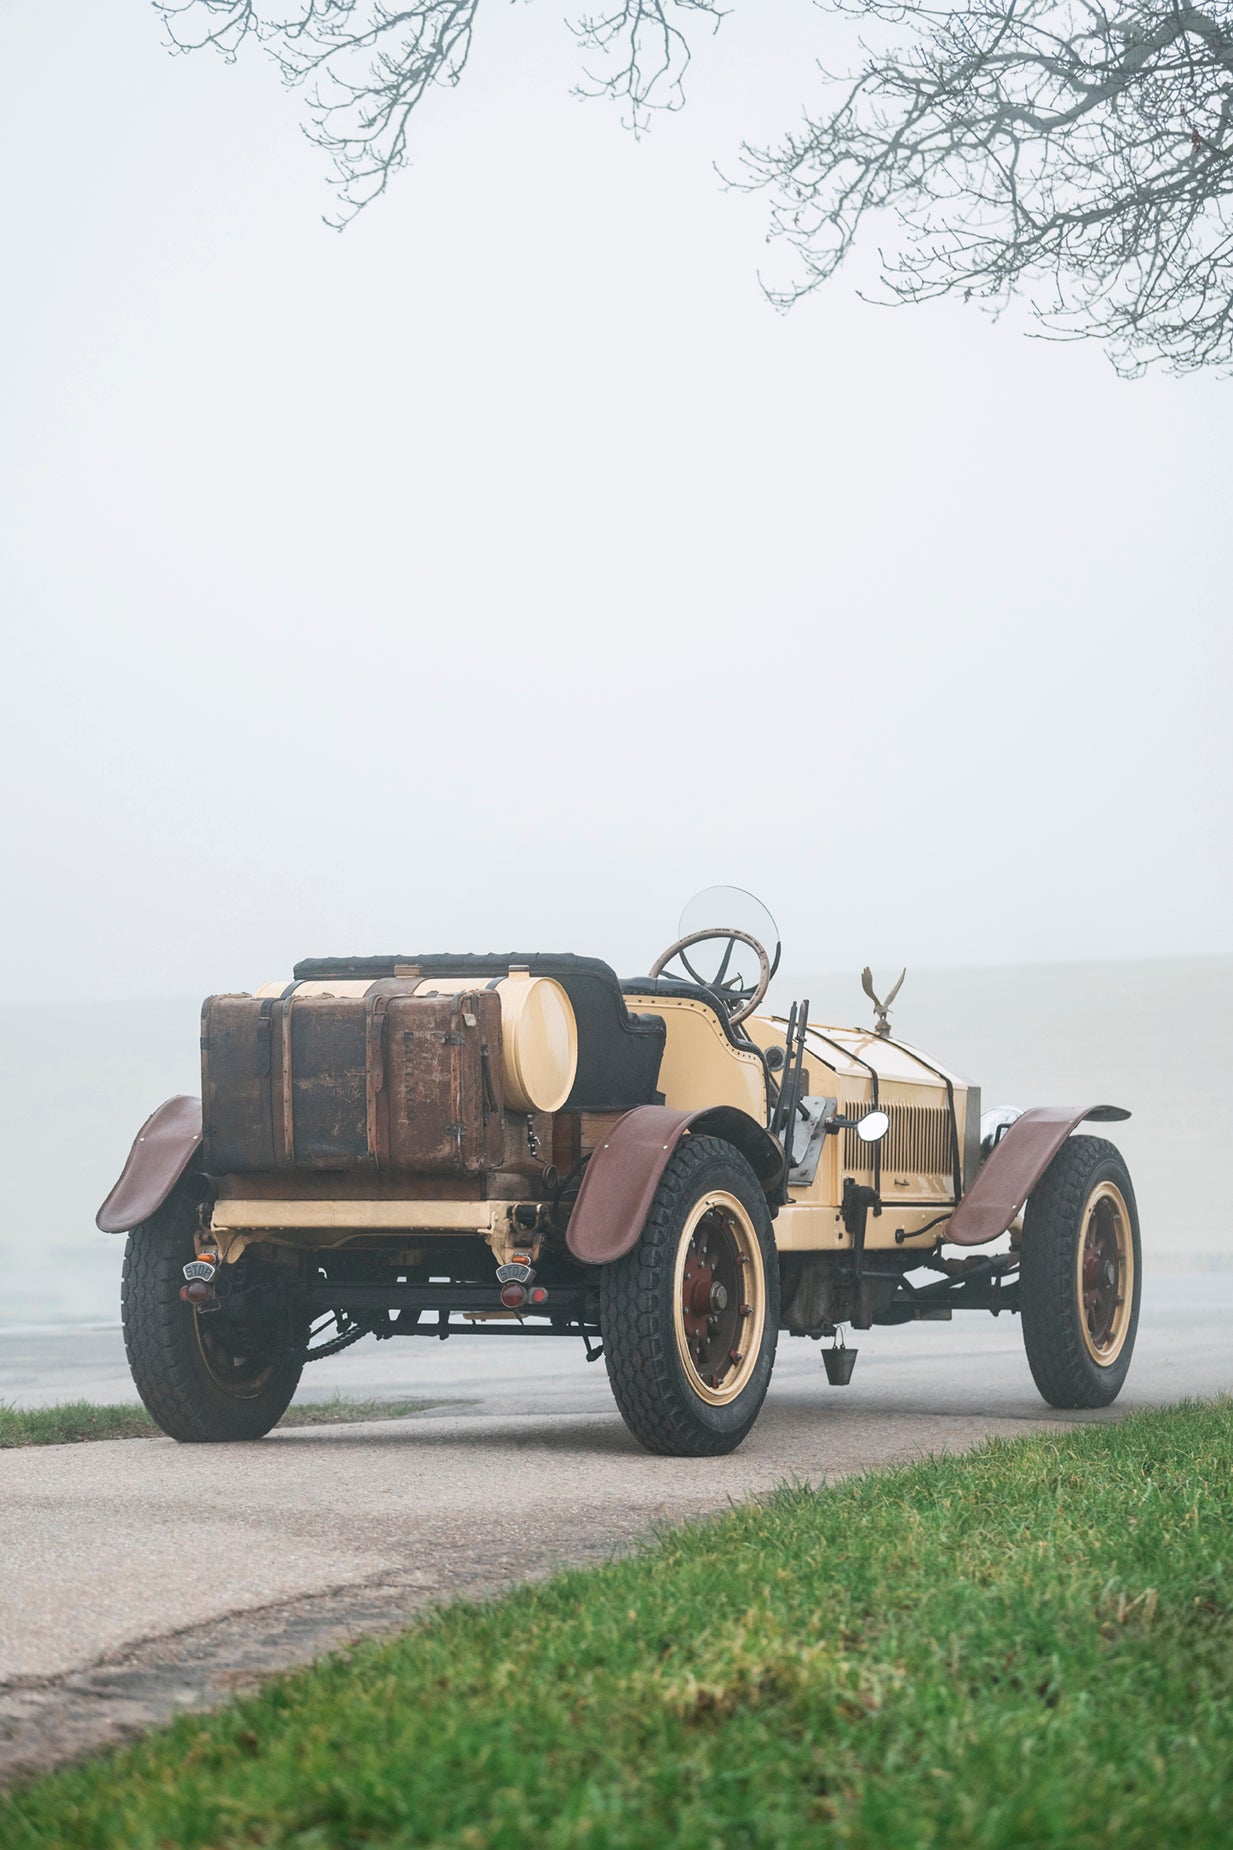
721	909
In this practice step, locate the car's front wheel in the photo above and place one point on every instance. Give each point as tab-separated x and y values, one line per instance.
690	1317
211	1377
1081	1275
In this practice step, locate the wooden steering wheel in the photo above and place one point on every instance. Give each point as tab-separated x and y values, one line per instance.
738	1000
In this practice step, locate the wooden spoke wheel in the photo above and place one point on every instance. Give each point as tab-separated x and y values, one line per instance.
203	1378
691	1316
1081	1275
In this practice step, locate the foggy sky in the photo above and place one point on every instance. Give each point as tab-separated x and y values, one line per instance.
500	572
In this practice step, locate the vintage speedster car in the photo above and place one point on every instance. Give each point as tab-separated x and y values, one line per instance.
523	1144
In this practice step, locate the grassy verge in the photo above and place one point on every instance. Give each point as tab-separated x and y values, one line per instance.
73	1421
1032	1645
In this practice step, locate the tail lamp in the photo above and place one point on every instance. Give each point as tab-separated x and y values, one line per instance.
515	1295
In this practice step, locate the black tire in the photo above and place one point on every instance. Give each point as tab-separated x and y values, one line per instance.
1079	1350
180	1362
662	1400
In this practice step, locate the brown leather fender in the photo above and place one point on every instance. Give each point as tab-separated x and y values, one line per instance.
162	1150
1015	1166
625	1171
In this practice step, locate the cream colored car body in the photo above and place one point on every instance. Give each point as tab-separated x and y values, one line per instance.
701	1068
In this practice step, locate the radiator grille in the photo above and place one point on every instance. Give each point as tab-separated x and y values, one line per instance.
917	1143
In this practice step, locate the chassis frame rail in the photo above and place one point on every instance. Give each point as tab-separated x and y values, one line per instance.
342	1294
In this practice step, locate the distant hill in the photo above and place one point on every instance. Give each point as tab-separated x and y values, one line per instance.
76	1080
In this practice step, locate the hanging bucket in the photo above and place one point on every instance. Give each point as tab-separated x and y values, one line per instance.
839	1364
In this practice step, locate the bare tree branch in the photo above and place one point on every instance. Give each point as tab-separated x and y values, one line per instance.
649	51
366	66
1079	154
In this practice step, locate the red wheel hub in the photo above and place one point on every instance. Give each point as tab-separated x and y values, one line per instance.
712	1307
1100	1278
702	1297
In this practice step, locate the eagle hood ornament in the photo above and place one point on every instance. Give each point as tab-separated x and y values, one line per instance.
882	1009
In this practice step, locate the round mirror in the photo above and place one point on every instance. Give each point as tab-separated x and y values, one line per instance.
873	1127
730	908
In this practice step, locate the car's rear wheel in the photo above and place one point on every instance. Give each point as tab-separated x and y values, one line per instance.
1081	1275
203	1378
690	1317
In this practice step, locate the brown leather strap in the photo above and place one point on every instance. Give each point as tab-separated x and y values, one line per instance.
287	1125
264	1074
376	1092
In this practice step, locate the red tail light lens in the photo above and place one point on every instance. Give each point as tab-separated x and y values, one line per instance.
539	1295
513	1295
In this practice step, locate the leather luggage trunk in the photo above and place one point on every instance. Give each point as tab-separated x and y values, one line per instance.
382	1083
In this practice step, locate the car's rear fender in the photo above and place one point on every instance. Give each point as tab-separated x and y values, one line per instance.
1013	1168
163	1149
625	1171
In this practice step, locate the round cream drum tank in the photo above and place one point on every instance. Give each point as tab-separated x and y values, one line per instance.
541	1042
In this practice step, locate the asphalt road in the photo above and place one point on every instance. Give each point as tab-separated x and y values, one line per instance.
142	1578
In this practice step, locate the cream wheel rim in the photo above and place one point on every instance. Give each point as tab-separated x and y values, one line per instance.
1105	1273
719	1298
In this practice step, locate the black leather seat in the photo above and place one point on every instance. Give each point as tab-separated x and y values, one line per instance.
619	1053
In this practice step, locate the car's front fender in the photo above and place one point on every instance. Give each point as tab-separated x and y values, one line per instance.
625	1171
162	1150
1013	1168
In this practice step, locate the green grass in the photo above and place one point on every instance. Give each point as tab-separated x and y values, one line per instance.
73	1421
1031	1645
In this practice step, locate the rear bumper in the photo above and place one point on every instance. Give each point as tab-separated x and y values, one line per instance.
485	1218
